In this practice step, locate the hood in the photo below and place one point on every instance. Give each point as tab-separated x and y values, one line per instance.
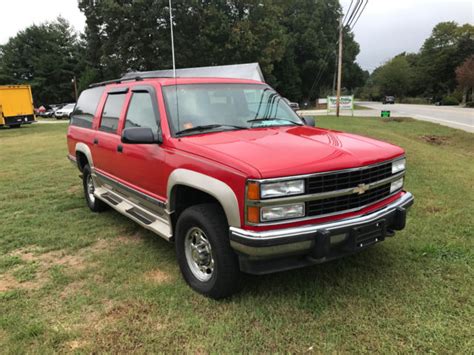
285	151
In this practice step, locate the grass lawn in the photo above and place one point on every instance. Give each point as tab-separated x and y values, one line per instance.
71	280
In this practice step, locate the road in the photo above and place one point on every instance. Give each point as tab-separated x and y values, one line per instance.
452	116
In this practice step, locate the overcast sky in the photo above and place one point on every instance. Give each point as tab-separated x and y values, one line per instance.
385	29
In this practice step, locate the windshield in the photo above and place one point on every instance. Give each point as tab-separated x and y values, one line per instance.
211	107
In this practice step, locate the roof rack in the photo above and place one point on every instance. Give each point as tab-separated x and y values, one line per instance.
250	71
136	77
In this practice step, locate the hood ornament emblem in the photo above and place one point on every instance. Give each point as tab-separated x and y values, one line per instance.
361	189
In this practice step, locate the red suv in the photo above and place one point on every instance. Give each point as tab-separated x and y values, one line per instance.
226	170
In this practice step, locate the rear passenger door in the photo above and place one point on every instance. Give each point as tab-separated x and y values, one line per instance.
107	140
143	163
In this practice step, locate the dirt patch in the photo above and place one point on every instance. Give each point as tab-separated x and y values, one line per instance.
76	344
51	258
435	140
72	289
157	276
396	119
74	189
129	239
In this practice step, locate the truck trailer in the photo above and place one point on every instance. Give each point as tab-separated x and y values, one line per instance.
16	105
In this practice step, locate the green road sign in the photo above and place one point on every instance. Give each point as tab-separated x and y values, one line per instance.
385	114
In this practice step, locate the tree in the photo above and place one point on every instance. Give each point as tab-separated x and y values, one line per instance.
447	47
394	77
465	75
44	56
294	41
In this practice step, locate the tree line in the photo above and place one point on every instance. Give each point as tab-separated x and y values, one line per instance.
439	72
294	42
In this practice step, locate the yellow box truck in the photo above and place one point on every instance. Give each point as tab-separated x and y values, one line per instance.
16	105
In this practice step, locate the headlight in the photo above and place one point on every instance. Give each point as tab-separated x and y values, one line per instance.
398	165
273	213
283	188
396	185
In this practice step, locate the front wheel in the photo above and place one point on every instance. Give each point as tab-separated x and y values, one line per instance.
207	262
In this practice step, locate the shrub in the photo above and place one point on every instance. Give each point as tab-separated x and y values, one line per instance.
470	104
415	100
449	101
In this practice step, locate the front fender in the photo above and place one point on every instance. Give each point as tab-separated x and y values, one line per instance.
216	188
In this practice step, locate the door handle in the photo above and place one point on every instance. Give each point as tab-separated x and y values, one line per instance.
120	148
96	141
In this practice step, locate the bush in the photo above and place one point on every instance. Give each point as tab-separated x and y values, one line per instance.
470	104
415	100
449	101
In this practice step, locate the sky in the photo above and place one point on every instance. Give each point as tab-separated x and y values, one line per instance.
385	29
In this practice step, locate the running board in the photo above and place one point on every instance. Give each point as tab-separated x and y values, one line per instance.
159	224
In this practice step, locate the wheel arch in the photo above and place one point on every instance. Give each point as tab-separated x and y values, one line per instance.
83	156
217	190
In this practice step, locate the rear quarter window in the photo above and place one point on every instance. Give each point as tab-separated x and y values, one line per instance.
86	107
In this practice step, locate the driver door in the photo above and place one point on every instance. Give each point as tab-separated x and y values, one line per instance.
142	164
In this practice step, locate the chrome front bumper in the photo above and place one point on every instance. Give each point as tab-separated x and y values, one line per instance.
323	241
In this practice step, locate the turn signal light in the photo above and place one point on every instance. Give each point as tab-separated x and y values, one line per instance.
253	191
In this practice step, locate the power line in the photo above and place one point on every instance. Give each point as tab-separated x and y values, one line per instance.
353	13
349	9
360	13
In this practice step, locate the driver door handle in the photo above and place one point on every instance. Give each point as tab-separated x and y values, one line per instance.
120	148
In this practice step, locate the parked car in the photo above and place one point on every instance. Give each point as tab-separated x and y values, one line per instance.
388	100
294	105
231	175
65	111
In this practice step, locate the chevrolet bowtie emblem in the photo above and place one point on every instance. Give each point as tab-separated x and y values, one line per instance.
361	189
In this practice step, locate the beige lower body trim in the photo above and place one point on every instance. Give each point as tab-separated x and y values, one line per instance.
148	212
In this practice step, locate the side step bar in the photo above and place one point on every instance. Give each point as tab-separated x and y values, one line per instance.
158	224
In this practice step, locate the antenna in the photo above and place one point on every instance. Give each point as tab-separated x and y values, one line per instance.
174	64
172	39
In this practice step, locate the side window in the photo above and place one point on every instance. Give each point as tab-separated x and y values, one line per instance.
86	107
140	112
111	113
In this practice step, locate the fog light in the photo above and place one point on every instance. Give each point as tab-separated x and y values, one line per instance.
338	238
396	185
273	213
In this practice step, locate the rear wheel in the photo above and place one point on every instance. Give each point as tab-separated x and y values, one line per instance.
93	202
207	262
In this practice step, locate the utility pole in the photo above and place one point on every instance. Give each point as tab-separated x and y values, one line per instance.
339	69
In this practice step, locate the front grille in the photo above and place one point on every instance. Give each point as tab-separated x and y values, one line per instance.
345	180
348	202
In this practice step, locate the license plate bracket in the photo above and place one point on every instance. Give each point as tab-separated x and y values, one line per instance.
368	234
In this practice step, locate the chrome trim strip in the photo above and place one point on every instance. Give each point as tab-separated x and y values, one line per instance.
305	176
321	195
403	201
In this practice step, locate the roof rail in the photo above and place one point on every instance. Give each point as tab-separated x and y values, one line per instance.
238	71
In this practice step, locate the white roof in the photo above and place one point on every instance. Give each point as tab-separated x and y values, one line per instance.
236	71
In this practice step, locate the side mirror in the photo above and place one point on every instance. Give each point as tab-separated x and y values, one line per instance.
139	135
309	120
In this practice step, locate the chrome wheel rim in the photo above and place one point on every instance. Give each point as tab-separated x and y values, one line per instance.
199	254
90	189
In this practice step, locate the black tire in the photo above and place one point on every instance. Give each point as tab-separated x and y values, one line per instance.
94	204
226	278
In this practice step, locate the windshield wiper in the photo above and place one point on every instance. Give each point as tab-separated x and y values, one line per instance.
207	127
273	119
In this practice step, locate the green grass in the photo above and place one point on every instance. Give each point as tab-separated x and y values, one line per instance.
74	280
